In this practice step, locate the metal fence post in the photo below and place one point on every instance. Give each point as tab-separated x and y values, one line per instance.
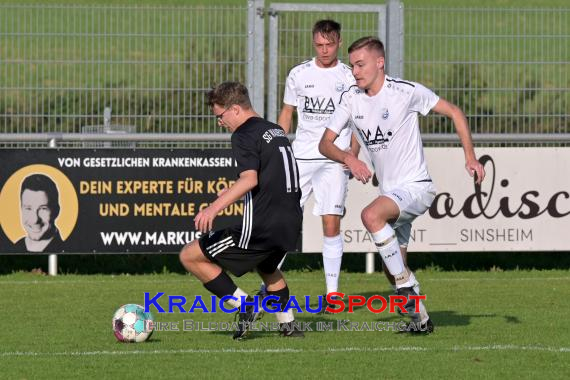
395	38
273	68
256	54
52	258
370	262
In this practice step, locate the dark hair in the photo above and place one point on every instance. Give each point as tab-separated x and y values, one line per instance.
229	93
40	182
369	43
328	28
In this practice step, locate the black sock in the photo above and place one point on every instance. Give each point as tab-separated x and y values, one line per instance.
221	286
283	295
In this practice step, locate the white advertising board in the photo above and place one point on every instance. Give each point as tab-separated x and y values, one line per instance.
522	205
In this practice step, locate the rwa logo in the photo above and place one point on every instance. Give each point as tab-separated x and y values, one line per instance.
479	203
319	105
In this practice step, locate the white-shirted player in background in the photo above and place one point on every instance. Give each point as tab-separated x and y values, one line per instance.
313	88
384	114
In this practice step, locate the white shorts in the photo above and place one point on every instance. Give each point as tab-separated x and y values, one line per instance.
328	181
413	199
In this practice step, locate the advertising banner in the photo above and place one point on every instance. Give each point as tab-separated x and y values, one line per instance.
109	200
522	205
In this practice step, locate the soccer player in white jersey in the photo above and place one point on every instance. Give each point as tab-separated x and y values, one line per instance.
313	89
384	114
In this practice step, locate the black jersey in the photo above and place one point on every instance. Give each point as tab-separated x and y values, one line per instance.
272	215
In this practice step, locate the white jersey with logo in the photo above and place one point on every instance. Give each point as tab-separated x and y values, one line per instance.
316	91
388	127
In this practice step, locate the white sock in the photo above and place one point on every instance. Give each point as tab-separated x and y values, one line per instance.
285	317
414	281
237	294
389	250
332	259
424	316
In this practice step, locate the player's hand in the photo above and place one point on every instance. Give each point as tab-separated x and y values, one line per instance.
204	221
358	169
474	168
349	151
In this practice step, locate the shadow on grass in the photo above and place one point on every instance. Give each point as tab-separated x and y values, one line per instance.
316	323
439	317
269	329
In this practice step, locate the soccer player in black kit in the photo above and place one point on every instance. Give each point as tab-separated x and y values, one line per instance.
269	184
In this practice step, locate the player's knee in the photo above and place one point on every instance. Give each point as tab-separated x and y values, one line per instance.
369	219
331	225
184	255
187	255
331	231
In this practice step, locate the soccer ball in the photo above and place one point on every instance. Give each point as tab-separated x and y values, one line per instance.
132	324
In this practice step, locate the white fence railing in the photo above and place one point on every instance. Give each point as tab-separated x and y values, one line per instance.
62	66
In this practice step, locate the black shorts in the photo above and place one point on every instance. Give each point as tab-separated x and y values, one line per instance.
220	248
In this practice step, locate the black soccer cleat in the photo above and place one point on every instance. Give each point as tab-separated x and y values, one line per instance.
246	318
421	329
410	306
427	328
326	304
290	330
262	292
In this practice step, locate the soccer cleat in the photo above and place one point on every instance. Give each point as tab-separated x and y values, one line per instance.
290	330
262	292
426	328
410	306
422	329
326	304
246	318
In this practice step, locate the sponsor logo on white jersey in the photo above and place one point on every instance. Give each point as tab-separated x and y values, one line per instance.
377	138
319	105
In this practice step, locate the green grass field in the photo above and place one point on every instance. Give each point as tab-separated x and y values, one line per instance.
499	324
510	324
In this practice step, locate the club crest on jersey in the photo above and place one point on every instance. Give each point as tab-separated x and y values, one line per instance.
385	113
339	86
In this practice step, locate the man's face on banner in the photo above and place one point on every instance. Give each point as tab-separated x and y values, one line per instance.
36	214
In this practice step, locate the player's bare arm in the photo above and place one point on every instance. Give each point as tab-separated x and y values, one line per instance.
286	117
327	148
461	127
205	219
354	145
